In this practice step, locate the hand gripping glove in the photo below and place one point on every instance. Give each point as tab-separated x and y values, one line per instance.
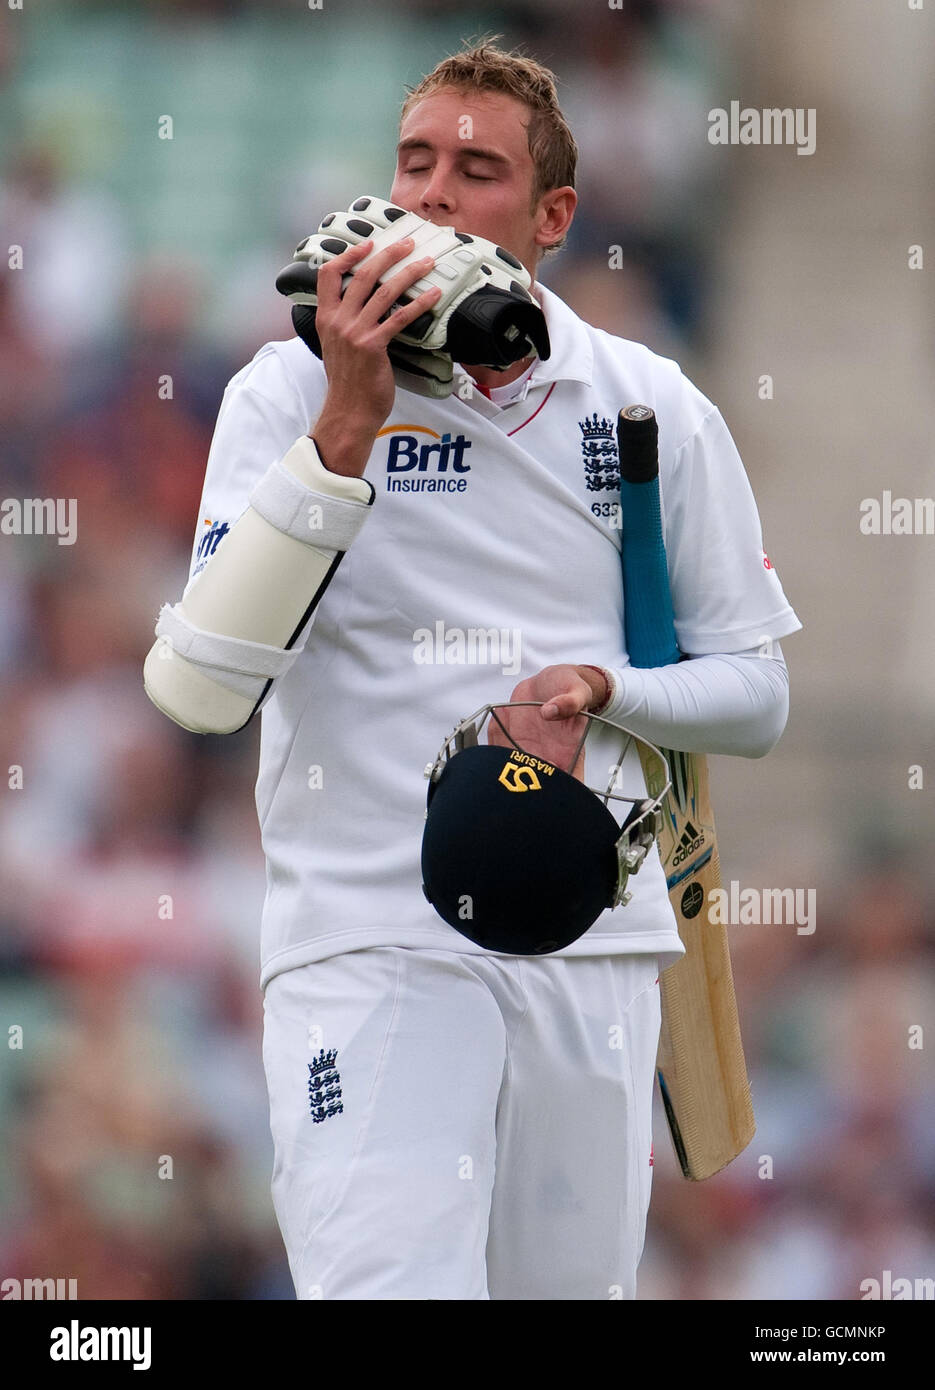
485	314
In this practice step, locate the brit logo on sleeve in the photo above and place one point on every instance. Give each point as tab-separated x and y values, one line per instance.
209	541
324	1086
599	453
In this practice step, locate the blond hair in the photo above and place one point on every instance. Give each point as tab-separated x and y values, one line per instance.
486	68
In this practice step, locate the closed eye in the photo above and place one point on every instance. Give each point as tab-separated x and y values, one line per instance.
423	168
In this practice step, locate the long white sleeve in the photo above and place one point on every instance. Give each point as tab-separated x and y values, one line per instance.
735	702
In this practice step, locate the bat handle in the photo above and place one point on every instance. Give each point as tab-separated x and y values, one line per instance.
648	613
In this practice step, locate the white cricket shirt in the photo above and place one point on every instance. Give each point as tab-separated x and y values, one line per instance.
489	553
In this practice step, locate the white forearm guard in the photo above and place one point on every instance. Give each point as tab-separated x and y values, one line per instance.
240	623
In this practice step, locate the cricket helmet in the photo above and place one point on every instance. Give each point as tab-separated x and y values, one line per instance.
518	855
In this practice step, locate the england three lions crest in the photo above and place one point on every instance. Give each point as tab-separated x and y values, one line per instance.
599	453
324	1086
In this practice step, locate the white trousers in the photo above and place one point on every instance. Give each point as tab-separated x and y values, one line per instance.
455	1126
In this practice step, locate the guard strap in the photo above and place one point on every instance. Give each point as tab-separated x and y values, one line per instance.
315	517
233	662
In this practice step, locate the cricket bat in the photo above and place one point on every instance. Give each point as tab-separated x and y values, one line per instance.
700	1063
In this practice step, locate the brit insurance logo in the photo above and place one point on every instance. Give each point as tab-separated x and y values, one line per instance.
599	452
419	459
209	542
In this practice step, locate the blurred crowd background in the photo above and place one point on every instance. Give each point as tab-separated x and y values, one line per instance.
131	879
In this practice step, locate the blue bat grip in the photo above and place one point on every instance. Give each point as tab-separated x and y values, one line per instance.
649	620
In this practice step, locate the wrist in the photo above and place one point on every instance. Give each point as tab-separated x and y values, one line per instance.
350	415
344	444
601	687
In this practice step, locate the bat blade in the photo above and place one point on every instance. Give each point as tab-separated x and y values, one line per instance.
700	1062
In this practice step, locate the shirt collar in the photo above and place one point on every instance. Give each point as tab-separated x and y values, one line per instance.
572	356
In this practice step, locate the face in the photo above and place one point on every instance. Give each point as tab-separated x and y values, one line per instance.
483	183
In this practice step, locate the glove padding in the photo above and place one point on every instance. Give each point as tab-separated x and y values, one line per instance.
485	313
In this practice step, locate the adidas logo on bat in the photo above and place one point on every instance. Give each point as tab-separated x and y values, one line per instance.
691	840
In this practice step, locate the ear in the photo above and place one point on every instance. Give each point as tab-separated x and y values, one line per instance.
554	215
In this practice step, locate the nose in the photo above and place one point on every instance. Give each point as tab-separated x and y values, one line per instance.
436	196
